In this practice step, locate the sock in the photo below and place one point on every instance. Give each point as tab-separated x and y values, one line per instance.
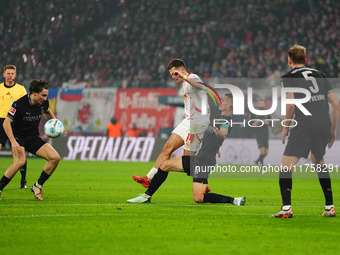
286	187
43	178
286	207
328	207
157	181
261	159
151	173
23	172
325	182
3	182
217	198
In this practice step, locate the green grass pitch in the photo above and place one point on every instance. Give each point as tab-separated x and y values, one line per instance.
84	211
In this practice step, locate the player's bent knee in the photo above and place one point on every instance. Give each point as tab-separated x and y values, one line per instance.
165	165
55	158
19	164
198	198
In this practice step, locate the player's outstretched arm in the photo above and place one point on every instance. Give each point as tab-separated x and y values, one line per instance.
49	114
195	84
333	100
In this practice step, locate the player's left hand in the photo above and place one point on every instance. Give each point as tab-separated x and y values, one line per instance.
217	131
178	73
331	139
284	134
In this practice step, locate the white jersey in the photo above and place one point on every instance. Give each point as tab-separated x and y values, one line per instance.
193	102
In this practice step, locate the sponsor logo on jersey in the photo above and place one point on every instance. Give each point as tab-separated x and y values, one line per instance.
12	111
32	118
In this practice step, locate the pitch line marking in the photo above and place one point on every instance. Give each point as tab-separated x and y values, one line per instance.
159	205
134	215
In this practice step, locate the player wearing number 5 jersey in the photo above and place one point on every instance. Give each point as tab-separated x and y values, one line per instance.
312	133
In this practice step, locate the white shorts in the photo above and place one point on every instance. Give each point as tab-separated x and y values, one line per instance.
192	134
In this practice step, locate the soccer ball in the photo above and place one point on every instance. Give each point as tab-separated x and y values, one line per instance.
54	128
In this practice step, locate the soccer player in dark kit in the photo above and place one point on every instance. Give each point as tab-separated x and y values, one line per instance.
21	127
261	132
196	166
312	132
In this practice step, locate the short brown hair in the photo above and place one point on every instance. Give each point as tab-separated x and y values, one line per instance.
229	95
10	67
175	63
38	85
297	54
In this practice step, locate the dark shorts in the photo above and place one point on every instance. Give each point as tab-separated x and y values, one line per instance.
303	141
262	137
31	143
262	141
189	168
3	136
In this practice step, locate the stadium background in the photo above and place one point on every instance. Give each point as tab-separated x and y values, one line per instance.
107	58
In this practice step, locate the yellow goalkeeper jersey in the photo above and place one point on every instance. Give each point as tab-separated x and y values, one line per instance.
8	95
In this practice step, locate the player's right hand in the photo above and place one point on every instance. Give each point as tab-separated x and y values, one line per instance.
177	73
16	148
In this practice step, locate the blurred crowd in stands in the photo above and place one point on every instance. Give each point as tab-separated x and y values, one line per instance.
128	43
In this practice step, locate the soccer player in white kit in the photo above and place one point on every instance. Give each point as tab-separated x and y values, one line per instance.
190	131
